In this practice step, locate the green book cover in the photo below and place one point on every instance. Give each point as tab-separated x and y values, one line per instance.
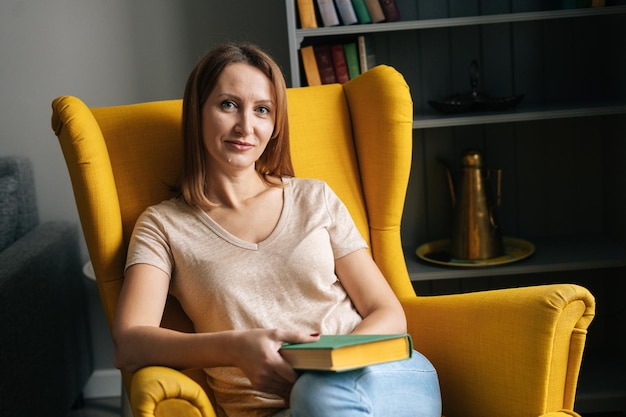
361	11
352	59
342	340
345	352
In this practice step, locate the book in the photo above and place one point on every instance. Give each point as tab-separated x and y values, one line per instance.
324	59
352	59
306	11
346	12
390	10
309	63
328	12
339	63
367	55
361	11
345	352
375	10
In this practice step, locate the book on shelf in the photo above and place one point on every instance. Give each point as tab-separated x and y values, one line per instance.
345	352
339	63
361	11
390	10
324	58
328	12
375	10
352	59
367	54
309	63
346	12
306	12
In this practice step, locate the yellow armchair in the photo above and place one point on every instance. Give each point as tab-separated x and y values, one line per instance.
513	352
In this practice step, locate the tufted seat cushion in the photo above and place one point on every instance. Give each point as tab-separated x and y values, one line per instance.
18	205
8	211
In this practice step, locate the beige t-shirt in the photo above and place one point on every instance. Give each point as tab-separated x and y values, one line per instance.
286	281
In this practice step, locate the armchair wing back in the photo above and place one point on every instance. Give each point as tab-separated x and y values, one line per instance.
358	138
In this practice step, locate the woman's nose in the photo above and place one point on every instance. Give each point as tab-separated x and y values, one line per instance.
244	124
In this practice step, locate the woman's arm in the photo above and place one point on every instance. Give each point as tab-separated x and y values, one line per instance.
371	294
139	341
137	337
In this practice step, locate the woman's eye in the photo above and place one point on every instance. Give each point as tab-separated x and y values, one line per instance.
263	110
227	104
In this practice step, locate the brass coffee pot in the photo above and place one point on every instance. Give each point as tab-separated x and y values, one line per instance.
475	232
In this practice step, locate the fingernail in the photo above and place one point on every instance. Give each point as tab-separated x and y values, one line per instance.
315	334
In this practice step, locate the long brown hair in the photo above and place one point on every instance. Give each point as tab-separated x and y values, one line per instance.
275	160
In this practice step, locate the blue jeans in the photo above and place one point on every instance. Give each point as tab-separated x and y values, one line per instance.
399	389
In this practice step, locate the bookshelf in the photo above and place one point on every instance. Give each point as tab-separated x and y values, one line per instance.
561	149
542	105
300	34
551	255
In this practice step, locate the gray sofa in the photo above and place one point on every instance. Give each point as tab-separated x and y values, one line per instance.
45	351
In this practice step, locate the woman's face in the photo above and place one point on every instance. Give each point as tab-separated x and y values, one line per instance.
238	117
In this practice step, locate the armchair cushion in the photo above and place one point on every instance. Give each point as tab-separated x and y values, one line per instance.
20	168
8	211
18	207
46	352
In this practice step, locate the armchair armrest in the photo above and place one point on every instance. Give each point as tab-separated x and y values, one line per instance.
162	391
513	352
43	322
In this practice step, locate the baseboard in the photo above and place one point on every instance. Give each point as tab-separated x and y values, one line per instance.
103	383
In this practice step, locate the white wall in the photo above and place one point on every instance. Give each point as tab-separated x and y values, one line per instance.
107	52
103	51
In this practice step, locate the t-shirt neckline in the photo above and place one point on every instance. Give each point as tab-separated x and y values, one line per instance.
236	241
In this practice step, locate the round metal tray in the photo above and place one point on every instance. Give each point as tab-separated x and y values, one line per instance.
469	102
437	252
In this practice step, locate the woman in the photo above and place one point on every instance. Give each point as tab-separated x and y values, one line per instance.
258	258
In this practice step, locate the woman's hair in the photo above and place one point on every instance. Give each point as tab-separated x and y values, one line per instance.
275	160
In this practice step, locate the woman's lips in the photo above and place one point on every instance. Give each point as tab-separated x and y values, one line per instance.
242	146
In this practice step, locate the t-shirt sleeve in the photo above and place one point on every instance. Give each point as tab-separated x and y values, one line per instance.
345	237
149	243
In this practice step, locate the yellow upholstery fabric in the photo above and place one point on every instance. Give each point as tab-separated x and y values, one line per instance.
514	352
164	392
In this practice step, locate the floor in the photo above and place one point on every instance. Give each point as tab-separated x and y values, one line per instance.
111	407
99	407
609	414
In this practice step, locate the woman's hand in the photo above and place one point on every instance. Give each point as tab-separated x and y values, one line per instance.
140	341
258	357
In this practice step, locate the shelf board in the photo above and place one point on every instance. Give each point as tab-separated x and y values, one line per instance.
457	21
433	120
551	255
